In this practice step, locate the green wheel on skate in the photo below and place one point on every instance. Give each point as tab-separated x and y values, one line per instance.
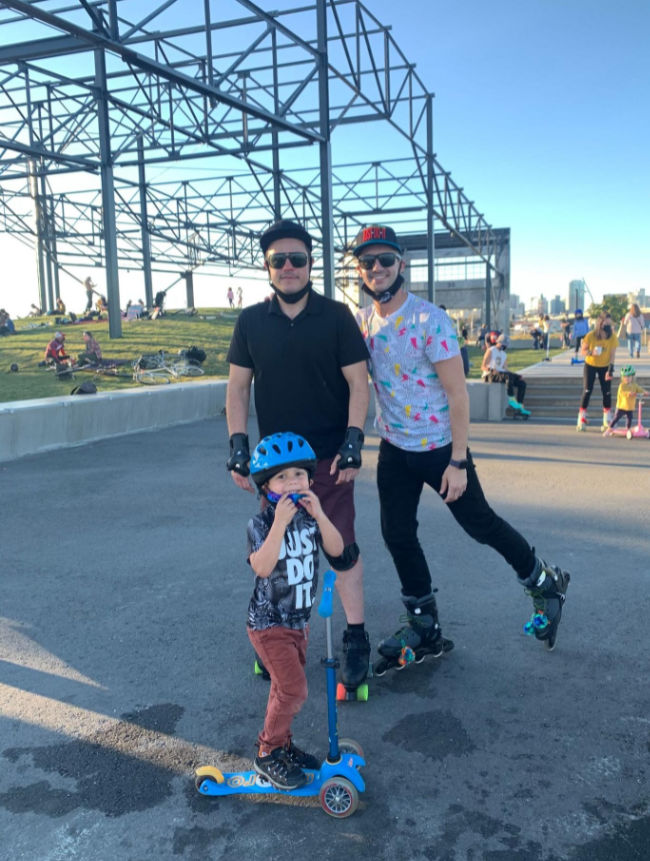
362	693
261	671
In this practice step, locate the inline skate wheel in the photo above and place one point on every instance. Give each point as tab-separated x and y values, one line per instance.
260	671
381	667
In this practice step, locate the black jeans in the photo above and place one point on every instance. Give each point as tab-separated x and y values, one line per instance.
589	375
513	381
401	476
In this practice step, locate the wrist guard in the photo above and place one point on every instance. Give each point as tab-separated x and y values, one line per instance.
350	451
239	454
611	370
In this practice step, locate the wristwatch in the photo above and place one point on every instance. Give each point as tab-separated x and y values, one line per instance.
459	464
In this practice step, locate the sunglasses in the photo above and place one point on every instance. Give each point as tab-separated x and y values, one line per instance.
386	260
298	259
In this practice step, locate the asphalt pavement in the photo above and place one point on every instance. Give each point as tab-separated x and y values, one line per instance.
124	663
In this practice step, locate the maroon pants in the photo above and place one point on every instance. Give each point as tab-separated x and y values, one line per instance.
283	653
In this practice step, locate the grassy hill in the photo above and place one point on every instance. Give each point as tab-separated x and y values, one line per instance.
210	329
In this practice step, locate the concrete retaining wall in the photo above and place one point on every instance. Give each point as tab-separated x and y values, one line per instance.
29	427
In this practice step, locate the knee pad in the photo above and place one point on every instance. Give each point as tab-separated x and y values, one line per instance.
347	559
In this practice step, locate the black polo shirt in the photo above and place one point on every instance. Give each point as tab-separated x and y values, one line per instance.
297	365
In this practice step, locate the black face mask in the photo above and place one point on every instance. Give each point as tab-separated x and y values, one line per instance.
386	295
608	331
292	298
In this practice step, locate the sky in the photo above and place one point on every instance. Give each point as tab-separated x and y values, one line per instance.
541	114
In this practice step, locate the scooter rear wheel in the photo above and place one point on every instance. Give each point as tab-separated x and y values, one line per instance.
339	797
208	777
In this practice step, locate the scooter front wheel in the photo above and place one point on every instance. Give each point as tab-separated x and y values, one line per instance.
349	745
207	777
339	797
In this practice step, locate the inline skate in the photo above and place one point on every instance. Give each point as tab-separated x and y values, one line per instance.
419	637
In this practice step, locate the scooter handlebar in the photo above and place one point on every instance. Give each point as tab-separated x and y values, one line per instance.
325	606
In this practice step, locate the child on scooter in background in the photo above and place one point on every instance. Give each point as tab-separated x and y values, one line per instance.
283	542
625	398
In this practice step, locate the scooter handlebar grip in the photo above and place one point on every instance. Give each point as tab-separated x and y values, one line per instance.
325	606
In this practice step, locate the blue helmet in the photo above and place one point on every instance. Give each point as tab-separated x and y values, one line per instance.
277	451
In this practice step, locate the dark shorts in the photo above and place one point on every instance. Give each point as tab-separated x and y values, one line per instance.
337	500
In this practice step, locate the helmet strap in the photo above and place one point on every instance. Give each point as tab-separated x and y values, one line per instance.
276	497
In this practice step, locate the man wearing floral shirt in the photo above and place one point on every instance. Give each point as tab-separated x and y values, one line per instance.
423	419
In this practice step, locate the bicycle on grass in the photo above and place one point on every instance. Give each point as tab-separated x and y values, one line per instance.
154	369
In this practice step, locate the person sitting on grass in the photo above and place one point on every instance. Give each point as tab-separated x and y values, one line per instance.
92	354
55	350
494	370
6	323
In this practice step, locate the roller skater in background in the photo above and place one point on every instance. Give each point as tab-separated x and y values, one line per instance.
579	330
625	398
599	349
316	384
494	369
423	420
283	542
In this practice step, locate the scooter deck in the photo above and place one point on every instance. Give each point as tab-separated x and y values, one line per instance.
210	781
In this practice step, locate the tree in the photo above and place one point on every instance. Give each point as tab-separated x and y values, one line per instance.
615	303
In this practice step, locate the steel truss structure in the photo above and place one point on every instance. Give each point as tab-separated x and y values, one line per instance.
164	136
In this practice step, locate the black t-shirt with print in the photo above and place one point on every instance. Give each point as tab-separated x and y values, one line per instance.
285	597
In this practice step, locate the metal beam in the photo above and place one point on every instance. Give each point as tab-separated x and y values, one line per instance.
96	40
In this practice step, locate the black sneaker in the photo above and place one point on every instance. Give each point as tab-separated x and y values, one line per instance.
295	756
279	771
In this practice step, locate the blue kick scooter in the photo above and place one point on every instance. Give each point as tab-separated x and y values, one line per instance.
338	782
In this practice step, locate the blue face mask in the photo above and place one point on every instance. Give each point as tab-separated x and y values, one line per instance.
275	497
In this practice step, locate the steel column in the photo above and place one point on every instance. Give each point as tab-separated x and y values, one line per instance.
144	227
45	239
189	287
431	240
325	153
38	228
108	200
488	296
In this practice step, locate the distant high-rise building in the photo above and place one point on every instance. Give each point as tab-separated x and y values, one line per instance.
557	306
576	295
640	297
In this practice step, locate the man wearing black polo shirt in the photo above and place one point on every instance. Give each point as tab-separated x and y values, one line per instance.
309	363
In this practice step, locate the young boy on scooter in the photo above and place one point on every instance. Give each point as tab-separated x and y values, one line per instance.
283	542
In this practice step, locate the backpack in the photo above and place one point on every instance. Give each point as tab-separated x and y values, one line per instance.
86	388
195	355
